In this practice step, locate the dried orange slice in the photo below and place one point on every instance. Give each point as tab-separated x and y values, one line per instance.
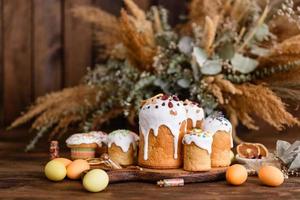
263	150
248	150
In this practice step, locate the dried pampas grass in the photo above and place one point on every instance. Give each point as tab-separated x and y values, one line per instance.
137	36
59	110
239	9
287	51
260	101
199	9
242	102
98	17
283	28
50	109
218	86
106	25
210	31
131	34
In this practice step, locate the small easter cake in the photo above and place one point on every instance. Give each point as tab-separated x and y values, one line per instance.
162	123
197	150
122	146
84	145
195	115
221	129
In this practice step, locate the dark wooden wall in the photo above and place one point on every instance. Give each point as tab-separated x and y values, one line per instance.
43	48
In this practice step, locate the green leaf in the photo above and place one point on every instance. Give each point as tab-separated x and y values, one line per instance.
200	55
226	51
262	32
184	83
185	45
243	64
259	51
211	67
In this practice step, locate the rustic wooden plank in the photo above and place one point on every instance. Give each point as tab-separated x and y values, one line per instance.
17	53
175	8
107	5
152	175
48	37
113	8
1	67
22	177
77	43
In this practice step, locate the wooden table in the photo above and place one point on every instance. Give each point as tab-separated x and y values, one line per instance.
21	177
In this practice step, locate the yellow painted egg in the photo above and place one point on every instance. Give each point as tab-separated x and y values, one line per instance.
270	176
75	169
64	161
95	180
55	170
236	174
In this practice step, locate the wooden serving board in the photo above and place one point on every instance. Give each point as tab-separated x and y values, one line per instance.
153	175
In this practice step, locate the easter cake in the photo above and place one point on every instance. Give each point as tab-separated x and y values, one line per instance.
162	124
194	114
85	145
122	146
197	150
221	129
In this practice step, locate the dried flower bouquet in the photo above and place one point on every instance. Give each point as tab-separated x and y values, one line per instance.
239	56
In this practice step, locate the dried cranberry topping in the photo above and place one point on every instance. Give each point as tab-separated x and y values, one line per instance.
170	105
164	97
175	98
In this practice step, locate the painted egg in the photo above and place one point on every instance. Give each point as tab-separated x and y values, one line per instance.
270	176
236	174
75	169
55	170
95	180
64	161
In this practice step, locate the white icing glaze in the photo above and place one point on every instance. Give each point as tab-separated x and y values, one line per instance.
193	112
97	137
201	139
123	139
214	124
161	110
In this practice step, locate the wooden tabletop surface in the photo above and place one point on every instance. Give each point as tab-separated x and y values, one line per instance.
21	177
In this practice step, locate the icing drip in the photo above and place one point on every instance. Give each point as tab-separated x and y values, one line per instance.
161	110
214	124
201	139
123	139
97	137
193	111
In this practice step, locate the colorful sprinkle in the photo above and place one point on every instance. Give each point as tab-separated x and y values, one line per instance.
173	112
